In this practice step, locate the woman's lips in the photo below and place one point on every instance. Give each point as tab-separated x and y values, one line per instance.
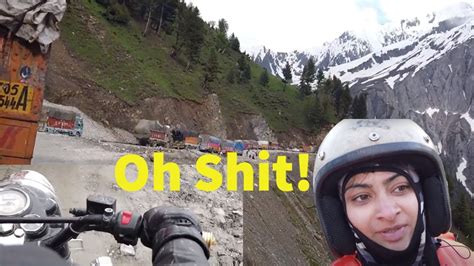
393	234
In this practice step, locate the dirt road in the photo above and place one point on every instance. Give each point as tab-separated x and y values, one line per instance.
78	167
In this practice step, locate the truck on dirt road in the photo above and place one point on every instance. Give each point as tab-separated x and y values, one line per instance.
62	122
208	143
151	132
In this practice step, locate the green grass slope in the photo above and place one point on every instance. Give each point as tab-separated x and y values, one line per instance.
133	67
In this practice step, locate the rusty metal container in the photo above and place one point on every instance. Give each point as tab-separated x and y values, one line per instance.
22	82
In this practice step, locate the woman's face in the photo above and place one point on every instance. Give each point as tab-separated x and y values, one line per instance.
383	206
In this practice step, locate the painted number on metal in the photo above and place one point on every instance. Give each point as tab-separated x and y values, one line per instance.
15	97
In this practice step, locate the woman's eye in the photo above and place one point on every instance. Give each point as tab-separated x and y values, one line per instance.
360	198
402	188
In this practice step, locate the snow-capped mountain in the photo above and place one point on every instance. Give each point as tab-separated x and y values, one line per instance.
421	68
352	45
429	80
396	61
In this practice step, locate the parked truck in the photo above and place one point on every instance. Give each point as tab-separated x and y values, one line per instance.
209	143
274	145
151	132
239	146
62	122
250	144
191	139
184	139
227	146
263	144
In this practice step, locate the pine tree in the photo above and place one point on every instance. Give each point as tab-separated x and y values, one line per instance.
234	43
244	69
327	108
462	213
310	73
195	35
264	78
287	73
355	107
346	100
247	74
319	77
223	26
336	93
167	15
241	63
305	89
314	113
189	33
307	77
211	69
221	40
359	107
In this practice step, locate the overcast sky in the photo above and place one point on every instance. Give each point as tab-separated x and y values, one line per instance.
285	25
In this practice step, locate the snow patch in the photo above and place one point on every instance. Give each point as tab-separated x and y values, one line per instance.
440	147
391	81
469	119
450	68
404	76
461	177
430	111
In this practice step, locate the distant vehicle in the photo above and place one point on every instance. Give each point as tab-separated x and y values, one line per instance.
185	138
215	144
239	146
62	122
227	146
250	144
263	144
191	141
151	132
274	146
209	143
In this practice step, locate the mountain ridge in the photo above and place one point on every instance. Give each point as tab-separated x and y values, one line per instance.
352	45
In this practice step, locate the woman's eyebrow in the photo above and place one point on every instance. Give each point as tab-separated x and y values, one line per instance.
360	185
390	179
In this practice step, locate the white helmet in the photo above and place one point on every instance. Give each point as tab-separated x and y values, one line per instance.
357	142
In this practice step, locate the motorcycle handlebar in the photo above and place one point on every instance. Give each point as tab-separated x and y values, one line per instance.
125	226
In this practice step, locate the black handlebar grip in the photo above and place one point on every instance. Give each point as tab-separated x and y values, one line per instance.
126	228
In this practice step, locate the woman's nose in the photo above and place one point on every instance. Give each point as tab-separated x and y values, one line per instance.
387	209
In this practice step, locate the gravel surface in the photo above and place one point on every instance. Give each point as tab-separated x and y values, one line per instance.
81	166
